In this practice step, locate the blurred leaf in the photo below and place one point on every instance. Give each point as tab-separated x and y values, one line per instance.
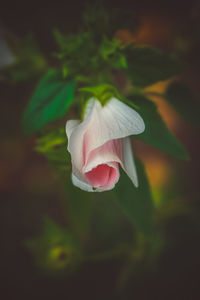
110	51
147	65
80	206
156	132
184	102
78	53
49	102
96	19
53	145
136	203
28	60
110	227
101	22
56	249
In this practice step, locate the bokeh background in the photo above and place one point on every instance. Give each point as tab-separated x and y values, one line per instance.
30	191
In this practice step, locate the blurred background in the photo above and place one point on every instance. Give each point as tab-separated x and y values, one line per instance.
31	193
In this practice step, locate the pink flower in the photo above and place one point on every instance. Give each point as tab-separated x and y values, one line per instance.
101	142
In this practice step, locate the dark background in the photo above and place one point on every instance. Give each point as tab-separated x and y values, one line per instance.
30	191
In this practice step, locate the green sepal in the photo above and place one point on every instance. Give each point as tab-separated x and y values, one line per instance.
102	92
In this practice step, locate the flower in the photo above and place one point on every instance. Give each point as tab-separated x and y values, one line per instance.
101	142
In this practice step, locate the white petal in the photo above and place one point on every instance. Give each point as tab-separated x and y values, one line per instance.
76	139
81	184
128	163
70	126
89	107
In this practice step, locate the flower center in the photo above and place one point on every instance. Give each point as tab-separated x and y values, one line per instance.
103	175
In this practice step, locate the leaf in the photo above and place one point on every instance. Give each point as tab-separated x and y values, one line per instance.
110	227
184	102
147	65
136	203
49	102
156	132
53	145
80	207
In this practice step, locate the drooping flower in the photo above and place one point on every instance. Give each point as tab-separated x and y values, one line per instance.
101	142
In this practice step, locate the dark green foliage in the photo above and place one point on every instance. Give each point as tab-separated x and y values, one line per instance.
56	249
82	55
100	21
156	132
28	59
136	203
147	65
49	102
182	99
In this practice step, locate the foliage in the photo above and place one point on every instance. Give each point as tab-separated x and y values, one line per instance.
137	204
50	101
28	62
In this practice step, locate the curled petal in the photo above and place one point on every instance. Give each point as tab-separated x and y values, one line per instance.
104	176
81	184
111	151
128	163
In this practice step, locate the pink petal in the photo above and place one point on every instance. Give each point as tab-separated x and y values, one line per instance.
111	151
103	176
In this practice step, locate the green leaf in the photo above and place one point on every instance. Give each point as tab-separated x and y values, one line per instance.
184	102
136	203
53	145
147	65
80	206
156	132
49	102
